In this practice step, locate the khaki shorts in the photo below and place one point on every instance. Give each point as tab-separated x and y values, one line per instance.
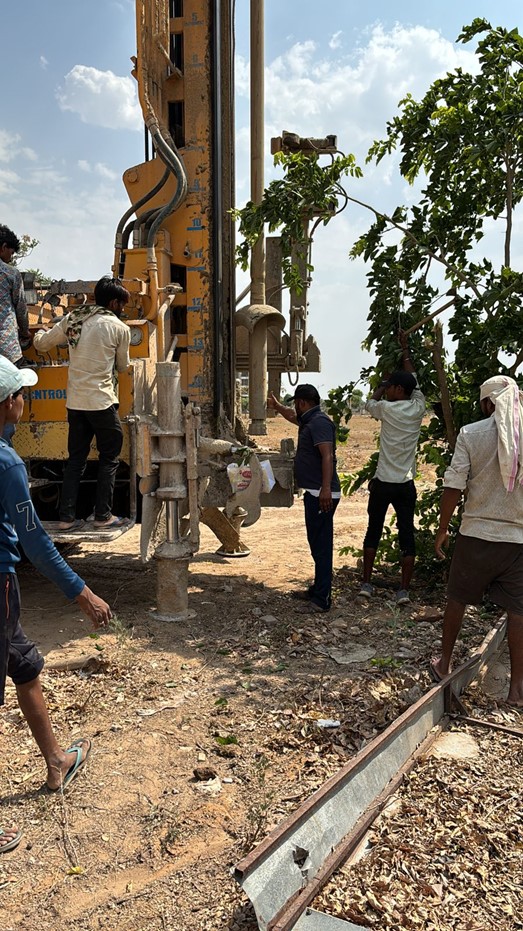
482	567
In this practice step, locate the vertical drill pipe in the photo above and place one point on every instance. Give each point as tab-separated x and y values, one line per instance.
173	555
257	115
258	337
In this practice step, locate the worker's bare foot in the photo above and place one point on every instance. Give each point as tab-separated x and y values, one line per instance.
62	769
514	699
9	838
436	670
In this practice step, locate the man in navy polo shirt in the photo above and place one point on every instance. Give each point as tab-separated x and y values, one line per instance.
315	472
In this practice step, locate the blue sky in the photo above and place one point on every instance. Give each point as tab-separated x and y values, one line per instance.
70	124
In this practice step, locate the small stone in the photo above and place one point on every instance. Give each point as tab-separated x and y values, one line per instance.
204	773
268	618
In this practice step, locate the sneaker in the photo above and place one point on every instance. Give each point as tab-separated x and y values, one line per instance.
402	597
366	591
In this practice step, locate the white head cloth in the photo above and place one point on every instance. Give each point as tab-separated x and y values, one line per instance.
508	414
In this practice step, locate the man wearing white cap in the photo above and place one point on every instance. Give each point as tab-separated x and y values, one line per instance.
19	658
488	555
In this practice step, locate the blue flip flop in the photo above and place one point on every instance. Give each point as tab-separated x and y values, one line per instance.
112	524
4	848
76	767
76	525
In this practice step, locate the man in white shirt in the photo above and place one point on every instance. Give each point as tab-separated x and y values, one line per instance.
488	555
400	406
98	344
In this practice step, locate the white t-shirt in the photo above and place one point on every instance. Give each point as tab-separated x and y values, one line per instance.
400	427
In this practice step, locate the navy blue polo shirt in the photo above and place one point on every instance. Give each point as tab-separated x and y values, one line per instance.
314	427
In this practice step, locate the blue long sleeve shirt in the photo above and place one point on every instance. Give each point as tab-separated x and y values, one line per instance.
19	523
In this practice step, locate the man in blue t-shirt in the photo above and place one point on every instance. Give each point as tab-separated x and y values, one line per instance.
19	658
315	472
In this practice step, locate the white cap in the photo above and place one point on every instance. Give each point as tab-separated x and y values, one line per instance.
13	379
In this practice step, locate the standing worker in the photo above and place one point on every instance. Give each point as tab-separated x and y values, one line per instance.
401	415
98	343
19	658
14	322
315	473
488	556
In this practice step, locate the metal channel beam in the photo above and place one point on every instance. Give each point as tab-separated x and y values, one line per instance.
292	857
312	920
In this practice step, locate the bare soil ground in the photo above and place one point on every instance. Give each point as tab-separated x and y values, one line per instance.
204	733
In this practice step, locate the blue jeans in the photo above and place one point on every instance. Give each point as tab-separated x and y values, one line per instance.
320	534
83	426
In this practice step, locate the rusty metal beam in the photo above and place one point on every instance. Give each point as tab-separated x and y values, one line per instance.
288	869
492	725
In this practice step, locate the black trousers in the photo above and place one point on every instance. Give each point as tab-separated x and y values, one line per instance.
402	496
83	426
320	534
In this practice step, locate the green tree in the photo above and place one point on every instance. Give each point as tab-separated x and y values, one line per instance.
463	142
27	244
462	145
307	190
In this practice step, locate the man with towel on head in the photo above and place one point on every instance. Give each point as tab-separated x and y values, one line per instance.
488	555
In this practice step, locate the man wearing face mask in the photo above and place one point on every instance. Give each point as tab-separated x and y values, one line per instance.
315	472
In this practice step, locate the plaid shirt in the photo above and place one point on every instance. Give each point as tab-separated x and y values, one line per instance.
13	311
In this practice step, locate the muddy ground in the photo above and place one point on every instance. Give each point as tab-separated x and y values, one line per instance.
139	841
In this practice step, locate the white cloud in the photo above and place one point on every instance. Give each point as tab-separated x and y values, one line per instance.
28	153
43	62
100	169
9	143
8	179
11	148
335	40
354	97
103	171
100	98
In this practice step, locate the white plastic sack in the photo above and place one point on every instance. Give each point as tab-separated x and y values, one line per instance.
268	480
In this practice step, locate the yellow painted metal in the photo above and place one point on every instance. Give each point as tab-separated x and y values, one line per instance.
182	248
41	440
48	440
188	89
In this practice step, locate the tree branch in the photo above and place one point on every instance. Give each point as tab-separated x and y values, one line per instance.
433	255
431	316
437	355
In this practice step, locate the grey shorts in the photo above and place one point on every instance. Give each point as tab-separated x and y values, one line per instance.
482	567
19	658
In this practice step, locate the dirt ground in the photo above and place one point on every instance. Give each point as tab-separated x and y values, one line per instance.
205	732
